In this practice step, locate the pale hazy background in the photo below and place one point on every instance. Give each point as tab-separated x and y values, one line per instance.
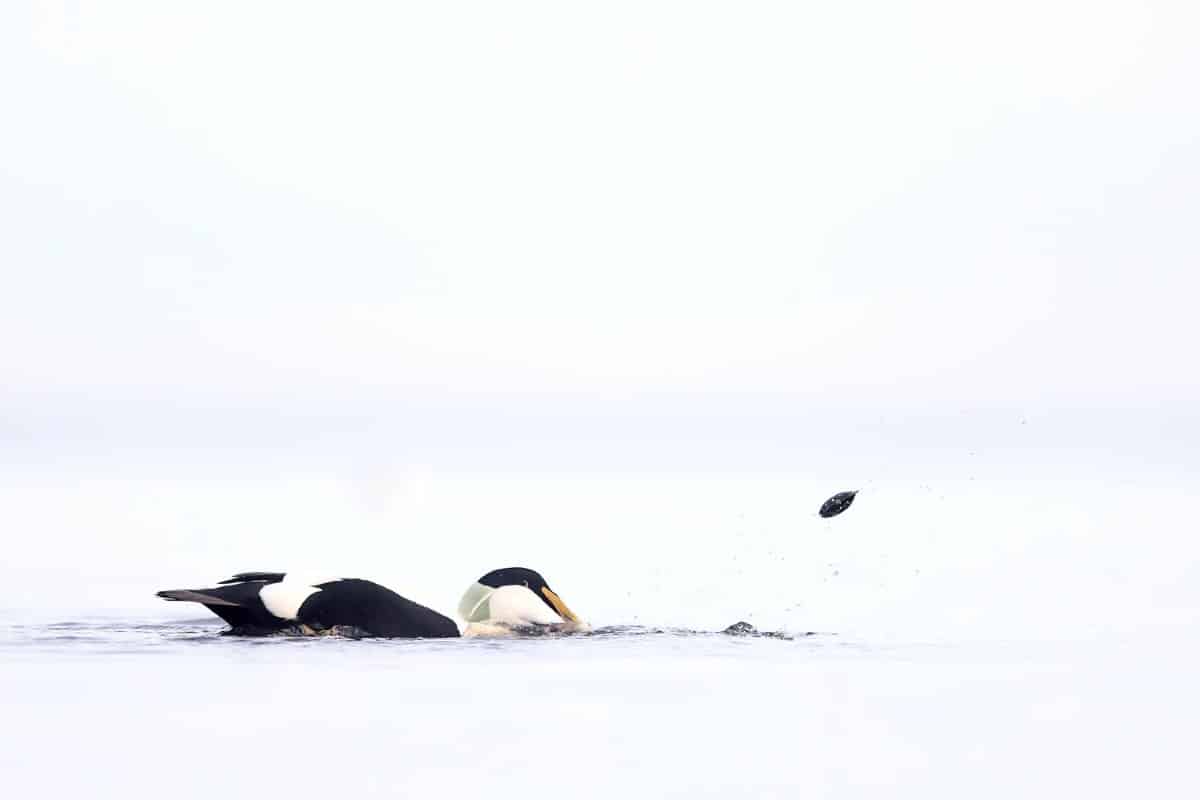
617	291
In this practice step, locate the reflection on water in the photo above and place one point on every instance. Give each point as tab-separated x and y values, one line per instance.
135	704
80	637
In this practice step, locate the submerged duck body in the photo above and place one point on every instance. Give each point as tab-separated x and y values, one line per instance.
257	603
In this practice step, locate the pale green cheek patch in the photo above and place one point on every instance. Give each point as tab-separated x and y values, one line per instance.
474	606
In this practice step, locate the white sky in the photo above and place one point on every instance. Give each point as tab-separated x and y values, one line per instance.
857	240
909	200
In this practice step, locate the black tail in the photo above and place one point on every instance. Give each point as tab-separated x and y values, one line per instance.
194	596
239	605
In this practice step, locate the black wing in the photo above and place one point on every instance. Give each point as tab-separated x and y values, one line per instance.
269	577
373	609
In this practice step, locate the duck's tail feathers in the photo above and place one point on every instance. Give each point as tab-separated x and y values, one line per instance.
194	596
238	604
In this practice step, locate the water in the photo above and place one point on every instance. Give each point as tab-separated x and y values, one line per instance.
975	638
131	706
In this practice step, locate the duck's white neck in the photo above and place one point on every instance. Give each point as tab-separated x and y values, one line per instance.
506	605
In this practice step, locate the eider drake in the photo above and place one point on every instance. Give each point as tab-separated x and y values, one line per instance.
499	603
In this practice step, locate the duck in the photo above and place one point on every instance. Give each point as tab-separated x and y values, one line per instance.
502	602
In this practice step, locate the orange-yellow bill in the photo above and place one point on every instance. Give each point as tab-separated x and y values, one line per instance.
559	605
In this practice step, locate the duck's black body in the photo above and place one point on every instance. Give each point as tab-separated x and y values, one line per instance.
260	603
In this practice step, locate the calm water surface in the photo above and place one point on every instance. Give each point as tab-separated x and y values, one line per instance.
130	707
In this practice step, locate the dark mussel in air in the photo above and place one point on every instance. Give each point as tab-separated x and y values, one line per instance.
837	504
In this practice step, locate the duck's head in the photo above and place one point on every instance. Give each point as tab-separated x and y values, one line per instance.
515	597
